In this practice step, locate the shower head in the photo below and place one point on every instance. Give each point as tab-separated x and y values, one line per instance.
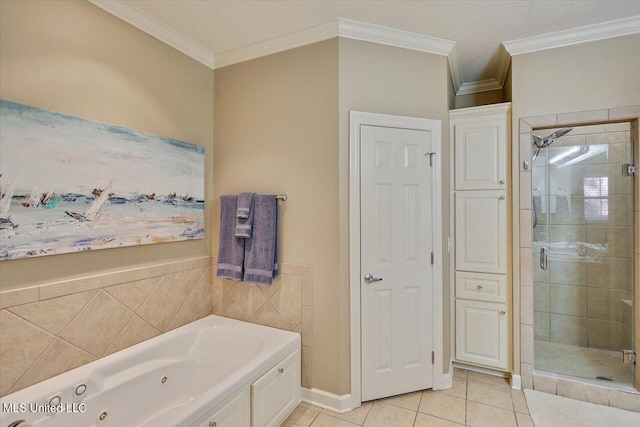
541	142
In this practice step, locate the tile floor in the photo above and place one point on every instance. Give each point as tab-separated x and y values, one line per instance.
475	400
582	362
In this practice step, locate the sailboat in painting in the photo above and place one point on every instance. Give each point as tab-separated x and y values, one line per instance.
96	209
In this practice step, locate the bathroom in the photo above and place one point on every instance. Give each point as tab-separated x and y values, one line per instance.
287	112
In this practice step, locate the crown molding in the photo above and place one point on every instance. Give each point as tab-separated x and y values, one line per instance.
588	33
379	34
304	37
346	28
156	29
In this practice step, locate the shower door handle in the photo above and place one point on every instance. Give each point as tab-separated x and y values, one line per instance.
543	258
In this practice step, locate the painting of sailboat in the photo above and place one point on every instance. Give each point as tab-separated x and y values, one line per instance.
69	184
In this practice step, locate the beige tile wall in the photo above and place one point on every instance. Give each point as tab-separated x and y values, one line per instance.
49	329
585	390
286	304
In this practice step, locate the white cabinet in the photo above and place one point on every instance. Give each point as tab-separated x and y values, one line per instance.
479	160
481	231
233	413
481	333
276	393
481	153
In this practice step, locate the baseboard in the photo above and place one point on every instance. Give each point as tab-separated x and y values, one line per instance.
327	400
516	382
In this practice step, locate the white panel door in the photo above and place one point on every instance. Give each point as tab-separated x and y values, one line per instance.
481	231
234	413
481	155
481	333
396	242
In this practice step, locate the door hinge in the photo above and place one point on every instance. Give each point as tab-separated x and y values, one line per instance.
629	356
430	157
432	258
628	169
433	357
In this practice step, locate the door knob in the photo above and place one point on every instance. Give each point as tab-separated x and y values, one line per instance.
369	278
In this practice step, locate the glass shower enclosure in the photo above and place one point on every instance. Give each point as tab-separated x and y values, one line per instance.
583	245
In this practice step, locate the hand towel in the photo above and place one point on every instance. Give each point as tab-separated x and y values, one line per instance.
230	248
260	252
244	215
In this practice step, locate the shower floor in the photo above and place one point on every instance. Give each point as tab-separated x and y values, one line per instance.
582	362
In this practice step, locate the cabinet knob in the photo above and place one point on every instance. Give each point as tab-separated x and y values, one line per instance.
501	197
501	182
479	287
502	313
212	424
280	370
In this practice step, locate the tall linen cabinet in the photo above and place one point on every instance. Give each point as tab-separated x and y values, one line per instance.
480	144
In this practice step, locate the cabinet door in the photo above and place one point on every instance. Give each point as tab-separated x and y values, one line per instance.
276	393
481	333
481	231
233	413
481	154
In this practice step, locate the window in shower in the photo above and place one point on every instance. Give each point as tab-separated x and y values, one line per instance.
584	227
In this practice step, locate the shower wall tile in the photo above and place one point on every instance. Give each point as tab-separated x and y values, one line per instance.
568	234
613	138
585	392
541	326
570	139
567	210
623	113
526	267
286	304
568	272
593	116
525	190
526	305
49	329
568	300
566	181
608	273
542	121
524	127
541	296
525	151
626	401
568	329
617	127
598	303
525	229
608	241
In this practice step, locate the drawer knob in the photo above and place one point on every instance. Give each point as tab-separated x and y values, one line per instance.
501	197
479	287
501	182
502	313
280	370
212	424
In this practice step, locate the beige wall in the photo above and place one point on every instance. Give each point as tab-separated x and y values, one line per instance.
382	79
583	77
276	131
72	57
480	98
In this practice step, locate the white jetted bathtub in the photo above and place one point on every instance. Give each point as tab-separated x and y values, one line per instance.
214	372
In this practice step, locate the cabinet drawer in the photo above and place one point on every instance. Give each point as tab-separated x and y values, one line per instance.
276	393
481	286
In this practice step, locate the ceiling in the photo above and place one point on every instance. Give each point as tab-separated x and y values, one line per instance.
478	27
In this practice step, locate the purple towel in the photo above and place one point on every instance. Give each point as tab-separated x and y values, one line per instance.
230	249
260	251
244	215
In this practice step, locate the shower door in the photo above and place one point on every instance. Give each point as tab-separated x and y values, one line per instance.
582	207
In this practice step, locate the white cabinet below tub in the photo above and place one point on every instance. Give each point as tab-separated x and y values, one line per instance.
277	393
233	413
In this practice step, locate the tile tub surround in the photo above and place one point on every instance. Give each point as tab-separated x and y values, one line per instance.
49	329
474	400
286	304
525	266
